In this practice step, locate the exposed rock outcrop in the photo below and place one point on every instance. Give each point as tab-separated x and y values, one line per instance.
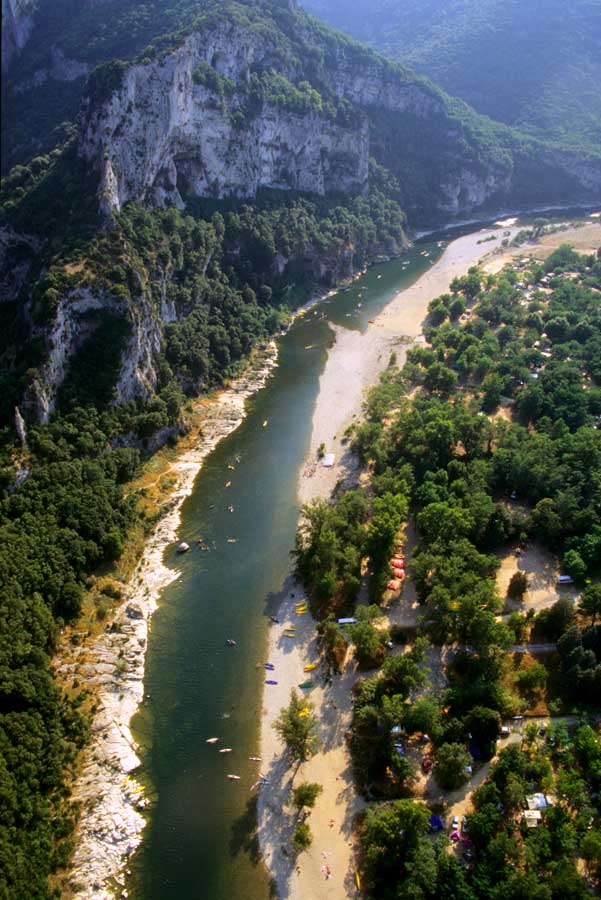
200	120
17	22
163	133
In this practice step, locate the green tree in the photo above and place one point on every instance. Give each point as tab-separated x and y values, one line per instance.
370	644
485	727
440	380
424	715
532	679
574	565
297	728
306	794
302	837
390	837
450	766
590	602
518	585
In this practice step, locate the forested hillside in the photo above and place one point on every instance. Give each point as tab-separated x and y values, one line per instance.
533	65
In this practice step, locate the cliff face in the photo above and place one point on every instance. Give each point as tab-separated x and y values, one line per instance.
163	134
191	123
17	21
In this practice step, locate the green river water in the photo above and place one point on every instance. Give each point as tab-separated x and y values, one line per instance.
199	842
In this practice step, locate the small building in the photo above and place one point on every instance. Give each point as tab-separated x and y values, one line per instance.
328	460
538	801
532	818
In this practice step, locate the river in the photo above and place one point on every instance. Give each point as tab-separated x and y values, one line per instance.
200	841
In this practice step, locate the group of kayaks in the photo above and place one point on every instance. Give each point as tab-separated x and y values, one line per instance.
262	778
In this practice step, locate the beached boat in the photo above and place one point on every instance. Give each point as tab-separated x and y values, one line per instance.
310	666
305	685
255	758
269	681
183	547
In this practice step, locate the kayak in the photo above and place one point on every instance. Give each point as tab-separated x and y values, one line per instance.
271	682
305	685
234	777
358	881
310	667
212	740
226	750
269	667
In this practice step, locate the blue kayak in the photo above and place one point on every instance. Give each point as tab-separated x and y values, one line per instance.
271	682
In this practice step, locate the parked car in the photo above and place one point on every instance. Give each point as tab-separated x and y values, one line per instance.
455	823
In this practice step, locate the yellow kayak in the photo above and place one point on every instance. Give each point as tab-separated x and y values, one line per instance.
358	880
310	667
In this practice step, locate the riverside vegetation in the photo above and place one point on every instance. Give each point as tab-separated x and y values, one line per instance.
228	272
476	482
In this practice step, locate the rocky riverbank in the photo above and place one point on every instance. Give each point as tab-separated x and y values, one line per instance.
111	798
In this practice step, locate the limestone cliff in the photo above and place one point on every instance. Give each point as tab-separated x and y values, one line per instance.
17	21
202	120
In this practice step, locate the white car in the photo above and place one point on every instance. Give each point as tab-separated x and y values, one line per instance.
455	823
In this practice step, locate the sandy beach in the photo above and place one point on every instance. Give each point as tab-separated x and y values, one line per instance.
353	365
